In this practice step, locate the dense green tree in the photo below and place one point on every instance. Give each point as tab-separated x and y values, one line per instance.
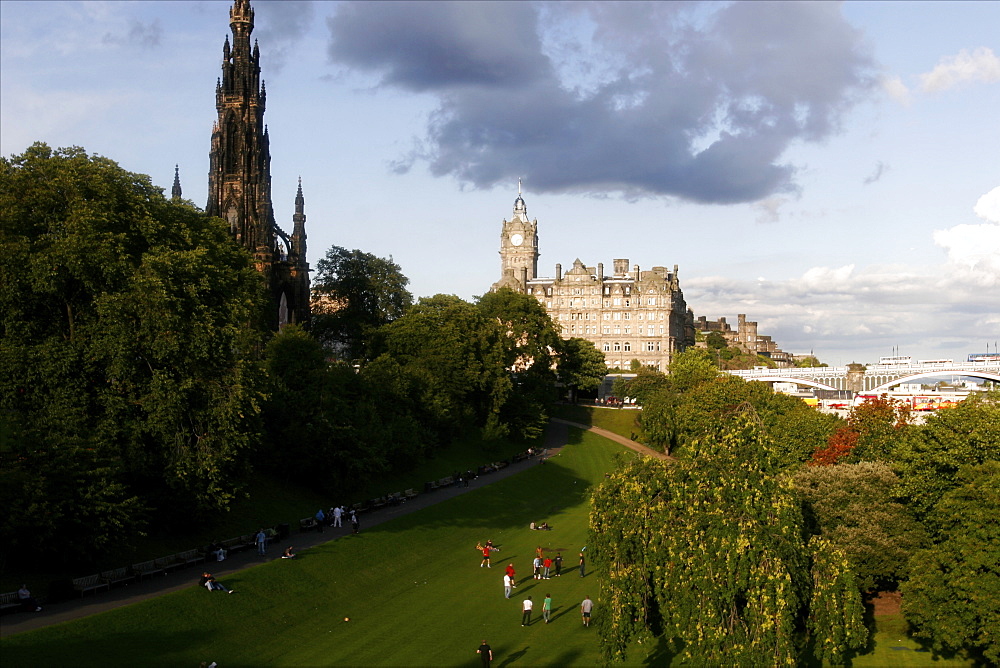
355	293
452	357
953	597
929	456
880	423
691	368
708	554
530	342
129	326
853	507
671	419
581	366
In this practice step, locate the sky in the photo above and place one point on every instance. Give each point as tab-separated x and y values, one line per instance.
830	170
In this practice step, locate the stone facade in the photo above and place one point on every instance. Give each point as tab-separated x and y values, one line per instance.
239	178
628	314
744	337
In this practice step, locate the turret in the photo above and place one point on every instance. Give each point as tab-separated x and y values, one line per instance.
175	192
298	249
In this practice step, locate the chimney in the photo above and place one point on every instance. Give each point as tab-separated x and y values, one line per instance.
558	272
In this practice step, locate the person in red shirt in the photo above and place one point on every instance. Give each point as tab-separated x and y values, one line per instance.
547	566
510	571
486	558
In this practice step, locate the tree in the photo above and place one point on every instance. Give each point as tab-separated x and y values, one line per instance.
707	553
355	293
581	366
453	359
690	368
929	456
130	327
953	596
853	507
530	340
880	423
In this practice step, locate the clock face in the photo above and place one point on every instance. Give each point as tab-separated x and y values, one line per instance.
516	239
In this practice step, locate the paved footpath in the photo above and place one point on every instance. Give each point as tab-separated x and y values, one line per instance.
556	435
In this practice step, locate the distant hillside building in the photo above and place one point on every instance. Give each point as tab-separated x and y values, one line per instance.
745	338
628	314
239	177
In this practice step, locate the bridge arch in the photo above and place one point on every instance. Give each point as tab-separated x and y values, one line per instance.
792	379
985	375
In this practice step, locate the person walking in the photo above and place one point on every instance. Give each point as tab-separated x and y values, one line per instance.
585	609
261	542
583	565
547	607
510	571
508	585
320	520
547	568
355	523
486	558
526	612
558	563
485	654
337	516
537	568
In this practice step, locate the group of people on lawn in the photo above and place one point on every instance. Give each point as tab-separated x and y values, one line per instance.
542	566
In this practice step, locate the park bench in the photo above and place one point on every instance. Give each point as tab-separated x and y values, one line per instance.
89	583
430	486
169	563
359	507
308	524
395	498
233	545
117	576
146	568
9	601
378	503
191	557
446	481
410	493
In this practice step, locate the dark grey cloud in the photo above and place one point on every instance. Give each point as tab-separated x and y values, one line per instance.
145	35
279	27
697	101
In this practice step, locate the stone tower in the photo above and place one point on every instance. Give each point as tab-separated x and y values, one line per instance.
239	176
518	248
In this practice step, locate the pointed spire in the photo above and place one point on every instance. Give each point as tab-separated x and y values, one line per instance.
299	199
175	192
226	49
520	209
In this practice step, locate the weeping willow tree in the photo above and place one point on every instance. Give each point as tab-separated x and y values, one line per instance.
708	554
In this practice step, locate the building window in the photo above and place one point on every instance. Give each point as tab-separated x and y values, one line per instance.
616	301
628	302
607	303
618	347
607	329
627	316
627	347
607	347
651	301
628	329
649	346
618	329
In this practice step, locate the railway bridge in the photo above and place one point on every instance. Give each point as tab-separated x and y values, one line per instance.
873	377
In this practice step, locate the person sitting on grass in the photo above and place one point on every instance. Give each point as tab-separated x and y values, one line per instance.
209	582
544	526
289	553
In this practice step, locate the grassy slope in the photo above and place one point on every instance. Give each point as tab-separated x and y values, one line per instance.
412	588
619	421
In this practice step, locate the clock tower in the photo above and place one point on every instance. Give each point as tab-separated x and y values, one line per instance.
518	248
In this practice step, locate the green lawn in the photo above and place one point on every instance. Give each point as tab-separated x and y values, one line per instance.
412	588
617	420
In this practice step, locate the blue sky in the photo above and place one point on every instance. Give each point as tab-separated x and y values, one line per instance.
831	170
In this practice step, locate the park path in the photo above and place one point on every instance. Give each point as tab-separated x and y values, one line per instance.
556	436
64	611
611	436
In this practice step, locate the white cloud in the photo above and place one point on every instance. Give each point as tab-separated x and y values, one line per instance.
980	65
896	89
988	206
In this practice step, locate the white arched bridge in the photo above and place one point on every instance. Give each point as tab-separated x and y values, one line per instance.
874	377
